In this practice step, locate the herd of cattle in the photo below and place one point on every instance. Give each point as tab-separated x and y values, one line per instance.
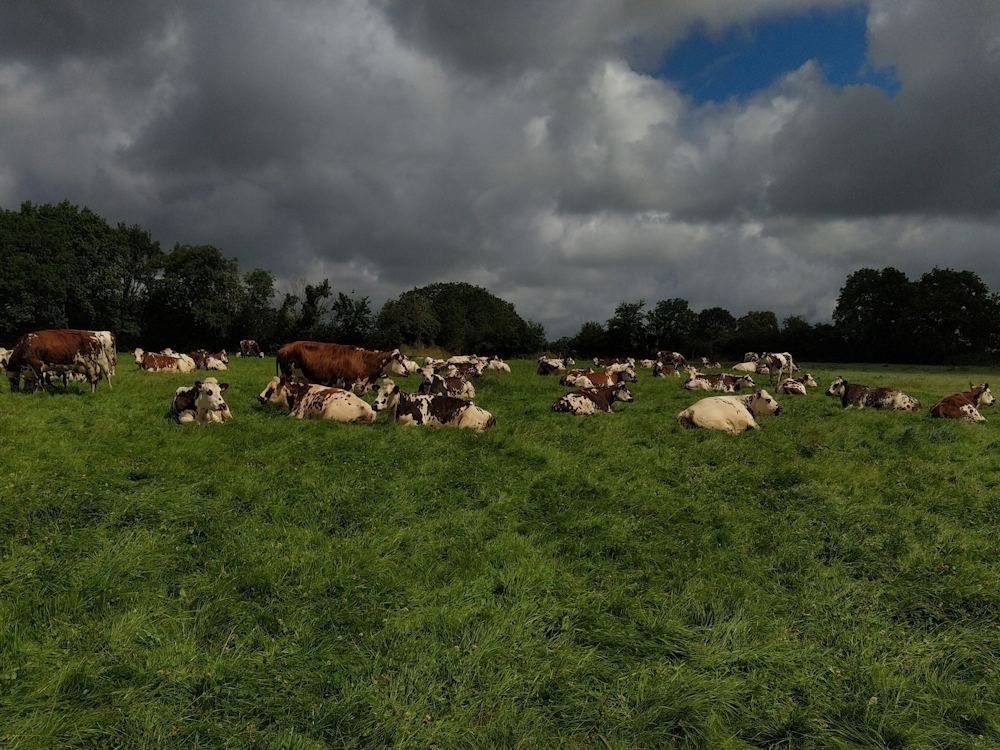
326	381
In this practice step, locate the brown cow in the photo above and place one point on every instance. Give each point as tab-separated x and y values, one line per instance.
965	405
604	379
40	354
338	365
661	370
571	375
587	401
861	396
673	358
250	348
205	360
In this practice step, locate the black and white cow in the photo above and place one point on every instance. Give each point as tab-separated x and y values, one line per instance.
430	411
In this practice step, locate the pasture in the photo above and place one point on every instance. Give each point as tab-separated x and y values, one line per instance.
831	580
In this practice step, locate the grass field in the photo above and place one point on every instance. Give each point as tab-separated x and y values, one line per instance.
830	581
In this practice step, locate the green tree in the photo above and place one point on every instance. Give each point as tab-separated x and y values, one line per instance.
353	321
672	325
755	331
954	315
258	317
626	330
715	328
590	341
874	314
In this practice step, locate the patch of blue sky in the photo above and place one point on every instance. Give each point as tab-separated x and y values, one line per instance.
746	59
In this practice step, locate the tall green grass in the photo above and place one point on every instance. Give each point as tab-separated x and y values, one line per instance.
609	582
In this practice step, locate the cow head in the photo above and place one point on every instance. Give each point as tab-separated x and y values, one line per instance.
396	365
837	387
138	356
808	381
745	380
209	403
275	392
622	393
387	396
760	403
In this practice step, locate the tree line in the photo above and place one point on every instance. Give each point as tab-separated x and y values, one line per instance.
66	267
945	316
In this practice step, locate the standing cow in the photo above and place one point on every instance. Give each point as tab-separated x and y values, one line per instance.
41	354
338	365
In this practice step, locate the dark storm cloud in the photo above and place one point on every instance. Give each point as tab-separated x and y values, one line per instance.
523	146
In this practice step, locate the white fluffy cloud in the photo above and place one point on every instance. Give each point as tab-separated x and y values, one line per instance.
521	146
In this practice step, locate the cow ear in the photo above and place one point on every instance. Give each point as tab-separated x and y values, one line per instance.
197	384
223	387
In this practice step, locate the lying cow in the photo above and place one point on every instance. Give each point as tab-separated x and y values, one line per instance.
163	362
748	367
431	411
587	401
604	379
495	363
647	364
607	362
673	358
571	376
661	370
965	405
797	386
205	360
733	414
304	400
861	396
548	366
723	382
458	387
710	364
202	404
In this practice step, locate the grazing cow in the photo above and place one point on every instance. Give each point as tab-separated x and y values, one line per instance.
861	396
338	365
202	404
305	401
570	377
723	382
673	358
587	401
797	386
604	379
432	411
733	414
965	405
710	364
661	370
250	348
457	386
39	355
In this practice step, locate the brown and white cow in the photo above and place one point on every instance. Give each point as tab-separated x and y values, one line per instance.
857	396
41	354
458	387
661	370
965	405
723	382
604	379
202	403
710	364
205	360
797	386
430	411
733	414
549	366
305	401
668	357
609	361
587	401
338	365
250	348
164	362
571	375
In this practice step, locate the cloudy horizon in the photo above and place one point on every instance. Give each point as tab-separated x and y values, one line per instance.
567	156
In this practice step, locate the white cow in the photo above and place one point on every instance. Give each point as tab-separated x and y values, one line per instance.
202	404
304	400
733	414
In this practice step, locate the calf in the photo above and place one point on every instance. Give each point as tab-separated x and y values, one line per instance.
458	387
587	401
304	400
797	386
723	382
861	396
964	405
201	404
732	414
431	411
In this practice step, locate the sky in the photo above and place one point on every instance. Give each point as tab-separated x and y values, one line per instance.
567	155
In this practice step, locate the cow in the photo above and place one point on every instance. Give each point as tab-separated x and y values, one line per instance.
163	362
410	366
964	405
861	396
732	414
604	379
250	348
710	364
587	401
431	411
457	386
338	365
548	366
648	364
608	362
661	370
747	367
751	357
628	367
571	375
466	370
304	400
797	386
495	363
41	354
202	404
723	382
668	357
205	360
4	356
